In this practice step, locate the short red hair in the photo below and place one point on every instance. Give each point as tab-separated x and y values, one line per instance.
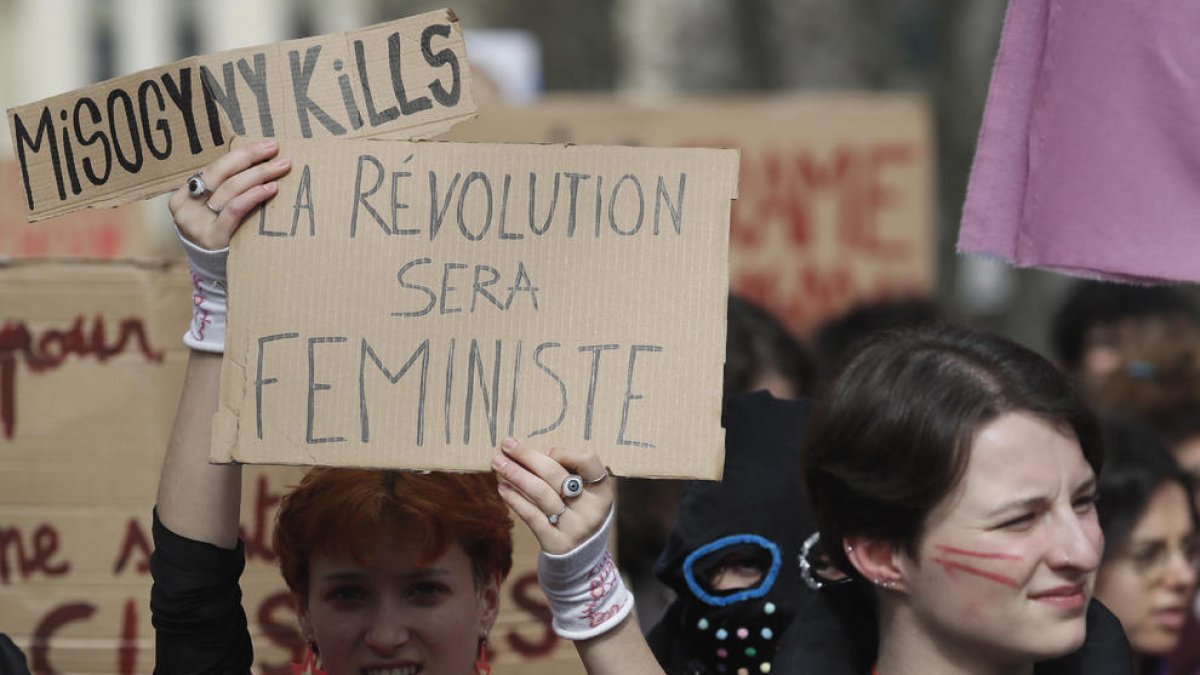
339	511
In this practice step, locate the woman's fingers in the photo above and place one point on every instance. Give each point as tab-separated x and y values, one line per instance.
235	183
532	483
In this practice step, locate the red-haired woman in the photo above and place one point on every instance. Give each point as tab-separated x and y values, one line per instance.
392	572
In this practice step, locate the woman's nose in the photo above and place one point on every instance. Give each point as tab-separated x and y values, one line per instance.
1181	570
1079	543
389	629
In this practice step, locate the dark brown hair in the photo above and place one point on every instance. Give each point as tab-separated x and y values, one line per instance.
892	432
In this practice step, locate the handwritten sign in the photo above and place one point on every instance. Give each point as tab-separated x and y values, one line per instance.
836	202
411	304
90	369
142	134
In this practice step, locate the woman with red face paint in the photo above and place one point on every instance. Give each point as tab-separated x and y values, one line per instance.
392	572
957	472
1149	572
953	479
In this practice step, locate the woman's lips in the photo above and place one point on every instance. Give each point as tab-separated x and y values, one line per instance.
1070	597
1172	618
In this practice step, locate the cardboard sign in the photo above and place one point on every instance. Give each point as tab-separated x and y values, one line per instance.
836	202
143	134
411	304
90	369
102	234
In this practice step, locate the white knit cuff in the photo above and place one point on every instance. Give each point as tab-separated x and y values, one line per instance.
584	588
207	330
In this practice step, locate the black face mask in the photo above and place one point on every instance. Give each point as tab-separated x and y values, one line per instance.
736	630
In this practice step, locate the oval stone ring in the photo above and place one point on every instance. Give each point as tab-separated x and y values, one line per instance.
572	486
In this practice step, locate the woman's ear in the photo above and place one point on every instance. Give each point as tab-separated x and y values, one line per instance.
877	561
302	618
489	601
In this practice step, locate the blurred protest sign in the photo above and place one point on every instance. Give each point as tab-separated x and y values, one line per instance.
836	194
411	304
103	234
90	369
143	134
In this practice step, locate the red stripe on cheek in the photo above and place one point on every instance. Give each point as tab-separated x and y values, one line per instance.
952	566
976	554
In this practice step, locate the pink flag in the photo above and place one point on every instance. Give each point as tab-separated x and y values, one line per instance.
1088	159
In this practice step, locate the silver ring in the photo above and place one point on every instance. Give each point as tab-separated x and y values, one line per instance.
210	207
196	186
572	486
553	517
596	481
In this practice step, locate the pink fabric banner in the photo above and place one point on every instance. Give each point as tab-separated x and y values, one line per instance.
1088	159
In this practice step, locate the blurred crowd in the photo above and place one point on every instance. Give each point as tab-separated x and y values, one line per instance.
1133	352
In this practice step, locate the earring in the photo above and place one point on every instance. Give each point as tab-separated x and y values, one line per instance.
482	667
312	662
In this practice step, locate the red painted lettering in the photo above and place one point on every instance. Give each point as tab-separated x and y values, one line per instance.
258	545
47	352
48	626
38	558
135	541
283	634
524	596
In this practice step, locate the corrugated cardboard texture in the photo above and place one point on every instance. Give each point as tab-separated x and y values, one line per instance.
837	193
90	369
411	304
98	233
143	134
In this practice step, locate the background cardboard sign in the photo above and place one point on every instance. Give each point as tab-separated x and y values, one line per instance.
411	304
143	134
836	193
90	369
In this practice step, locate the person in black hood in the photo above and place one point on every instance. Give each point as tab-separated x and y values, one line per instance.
731	557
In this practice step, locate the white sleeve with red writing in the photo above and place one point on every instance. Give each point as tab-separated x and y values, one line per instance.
207	330
586	593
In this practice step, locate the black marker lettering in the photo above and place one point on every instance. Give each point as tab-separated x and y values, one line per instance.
630	396
596	351
97	135
256	79
360	197
675	209
491	401
301	78
376	118
407	107
612	206
131	165
181	96
45	128
343	80
422	352
162	125
304	202
562	388
533	201
462	201
314	387
226	97
444	57
436	216
424	289
259	382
